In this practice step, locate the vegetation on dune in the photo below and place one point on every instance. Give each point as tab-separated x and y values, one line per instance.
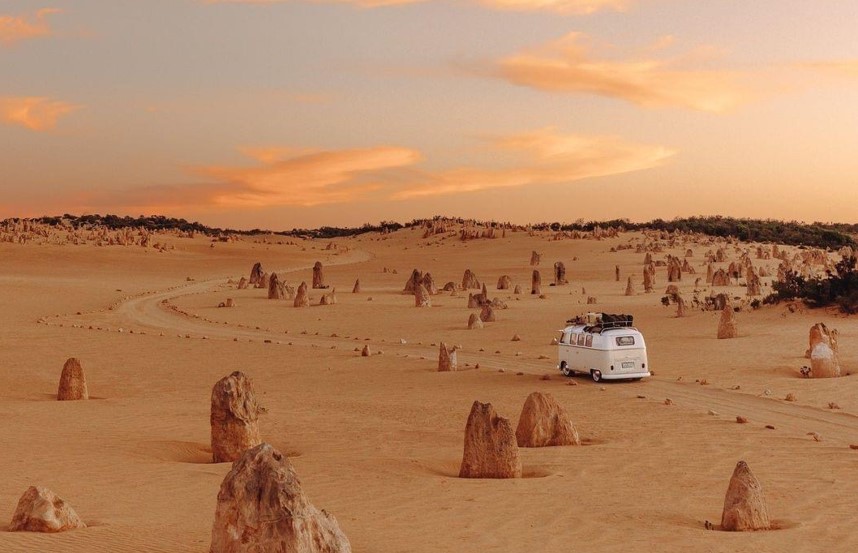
838	287
793	233
821	235
160	222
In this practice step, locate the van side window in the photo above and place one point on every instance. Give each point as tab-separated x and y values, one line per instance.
625	340
580	339
565	338
589	341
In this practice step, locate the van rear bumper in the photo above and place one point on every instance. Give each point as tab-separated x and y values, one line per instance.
624	376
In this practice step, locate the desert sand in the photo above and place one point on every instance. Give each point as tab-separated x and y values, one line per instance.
378	440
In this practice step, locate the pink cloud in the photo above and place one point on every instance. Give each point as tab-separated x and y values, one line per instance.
34	113
17	28
568	66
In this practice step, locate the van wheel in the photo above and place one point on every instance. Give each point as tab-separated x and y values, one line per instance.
597	375
564	369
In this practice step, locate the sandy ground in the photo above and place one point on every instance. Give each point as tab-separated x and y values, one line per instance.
377	440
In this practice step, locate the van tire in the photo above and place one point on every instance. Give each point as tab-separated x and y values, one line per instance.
564	369
596	375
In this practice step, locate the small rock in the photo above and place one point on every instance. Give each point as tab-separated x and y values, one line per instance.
790	397
816	437
712	413
545	377
668	401
741	420
832	405
770	427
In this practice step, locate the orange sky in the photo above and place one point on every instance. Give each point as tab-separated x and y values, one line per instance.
282	114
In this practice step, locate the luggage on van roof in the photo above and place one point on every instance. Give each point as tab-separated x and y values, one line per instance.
604	320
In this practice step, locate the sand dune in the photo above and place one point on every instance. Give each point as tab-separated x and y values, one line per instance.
377	440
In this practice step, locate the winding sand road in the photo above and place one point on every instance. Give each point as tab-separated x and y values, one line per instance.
152	313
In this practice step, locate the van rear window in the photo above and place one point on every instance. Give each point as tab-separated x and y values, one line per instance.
625	340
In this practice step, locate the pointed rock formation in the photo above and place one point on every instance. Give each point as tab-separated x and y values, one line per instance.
720	278
41	510
421	297
535	258
429	283
256	274
242	283
356	289
504	282
469	280
617	272
301	297
819	333
491	450
824	362
674	270
727	324
648	280
517	289
744	505
544	422
413	282
630	288
72	382
709	274
276	290
329	299
365	352
680	307
447	359
234	417
487	315
261	506
536	283
474	322
318	276
560	274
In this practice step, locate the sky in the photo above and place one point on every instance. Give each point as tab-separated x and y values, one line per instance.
302	113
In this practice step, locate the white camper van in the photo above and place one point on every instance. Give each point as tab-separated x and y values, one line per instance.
604	346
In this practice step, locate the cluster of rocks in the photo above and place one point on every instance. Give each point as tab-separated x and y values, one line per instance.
491	446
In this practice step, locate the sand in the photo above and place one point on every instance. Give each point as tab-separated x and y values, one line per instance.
377	441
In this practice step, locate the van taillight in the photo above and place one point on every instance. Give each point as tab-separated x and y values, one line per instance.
643	365
612	367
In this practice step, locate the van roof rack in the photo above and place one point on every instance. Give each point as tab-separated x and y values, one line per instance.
596	322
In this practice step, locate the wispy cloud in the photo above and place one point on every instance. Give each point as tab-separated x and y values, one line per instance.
305	178
567	65
563	7
21	27
34	113
358	3
834	68
543	157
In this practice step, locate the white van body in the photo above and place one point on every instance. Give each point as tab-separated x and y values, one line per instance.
603	352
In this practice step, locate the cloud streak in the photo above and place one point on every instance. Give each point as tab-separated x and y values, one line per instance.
32	112
306	178
562	7
545	158
14	29
568	66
